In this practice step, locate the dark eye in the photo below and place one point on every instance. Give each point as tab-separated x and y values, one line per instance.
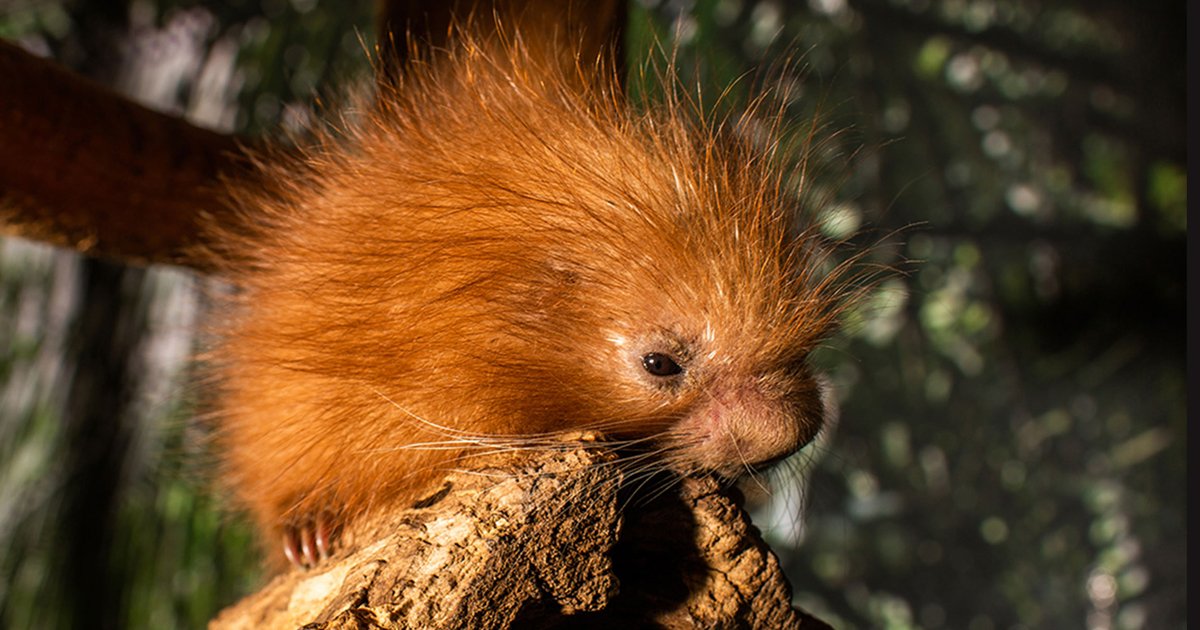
660	364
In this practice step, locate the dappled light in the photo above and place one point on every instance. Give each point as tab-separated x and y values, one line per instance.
1010	450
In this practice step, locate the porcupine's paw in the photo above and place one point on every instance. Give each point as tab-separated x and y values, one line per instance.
308	542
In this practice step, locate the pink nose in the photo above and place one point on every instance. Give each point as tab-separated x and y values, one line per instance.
745	428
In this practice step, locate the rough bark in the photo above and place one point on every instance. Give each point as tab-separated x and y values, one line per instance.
539	540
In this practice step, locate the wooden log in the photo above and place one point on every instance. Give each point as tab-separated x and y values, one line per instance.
539	539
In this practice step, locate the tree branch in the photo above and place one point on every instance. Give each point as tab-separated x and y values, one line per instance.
85	168
538	540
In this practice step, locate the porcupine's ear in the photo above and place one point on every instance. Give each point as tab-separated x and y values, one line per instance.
550	294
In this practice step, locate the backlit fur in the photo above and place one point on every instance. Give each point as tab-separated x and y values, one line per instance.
484	256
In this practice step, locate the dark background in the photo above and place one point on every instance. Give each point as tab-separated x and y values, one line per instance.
1011	452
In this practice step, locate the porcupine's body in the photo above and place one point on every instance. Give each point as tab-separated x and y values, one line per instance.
499	248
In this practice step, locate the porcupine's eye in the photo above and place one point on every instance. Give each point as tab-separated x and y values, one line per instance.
659	364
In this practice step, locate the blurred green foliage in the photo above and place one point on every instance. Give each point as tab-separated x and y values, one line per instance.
1011	450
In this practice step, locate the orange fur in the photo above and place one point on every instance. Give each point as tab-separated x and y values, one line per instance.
488	253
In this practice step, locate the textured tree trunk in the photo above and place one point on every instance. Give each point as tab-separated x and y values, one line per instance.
97	422
541	539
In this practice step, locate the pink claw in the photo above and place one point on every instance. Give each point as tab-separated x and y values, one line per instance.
307	547
291	547
324	536
310	543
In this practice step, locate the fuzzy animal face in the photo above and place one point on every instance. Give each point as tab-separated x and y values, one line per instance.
495	252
